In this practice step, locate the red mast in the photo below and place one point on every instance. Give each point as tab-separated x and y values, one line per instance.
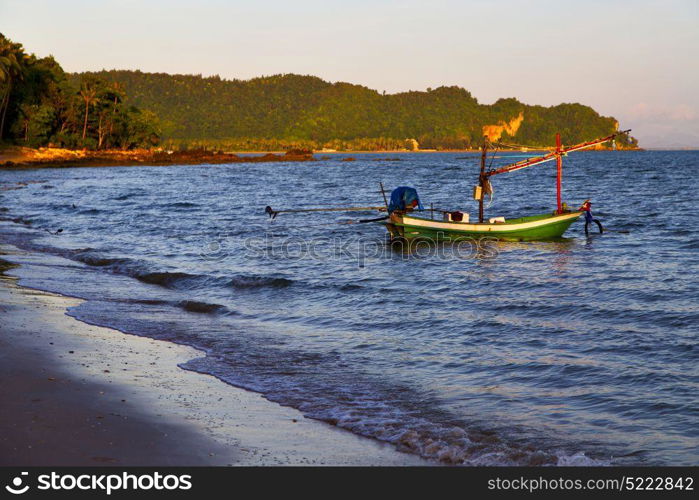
559	173
556	154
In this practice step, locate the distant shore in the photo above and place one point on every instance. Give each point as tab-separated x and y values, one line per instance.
77	394
20	157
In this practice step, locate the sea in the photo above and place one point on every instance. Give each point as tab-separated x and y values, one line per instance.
579	351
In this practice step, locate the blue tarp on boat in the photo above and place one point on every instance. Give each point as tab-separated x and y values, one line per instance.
403	197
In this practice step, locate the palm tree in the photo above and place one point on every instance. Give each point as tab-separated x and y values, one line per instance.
89	95
12	59
117	93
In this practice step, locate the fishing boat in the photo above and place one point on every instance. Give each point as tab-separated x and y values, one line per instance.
531	228
402	223
455	225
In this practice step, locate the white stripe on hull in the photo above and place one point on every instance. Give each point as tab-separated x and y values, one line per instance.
484	228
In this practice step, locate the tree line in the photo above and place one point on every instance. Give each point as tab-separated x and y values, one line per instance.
291	110
40	105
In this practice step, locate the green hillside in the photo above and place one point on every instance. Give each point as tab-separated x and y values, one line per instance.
292	110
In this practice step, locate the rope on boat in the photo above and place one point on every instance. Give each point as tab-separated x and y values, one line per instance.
545	148
522	146
487	185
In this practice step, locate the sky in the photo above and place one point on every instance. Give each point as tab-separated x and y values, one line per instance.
636	60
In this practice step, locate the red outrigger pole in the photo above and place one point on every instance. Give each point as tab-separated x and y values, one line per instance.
557	155
559	174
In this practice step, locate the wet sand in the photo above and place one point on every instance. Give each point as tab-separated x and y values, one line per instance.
76	394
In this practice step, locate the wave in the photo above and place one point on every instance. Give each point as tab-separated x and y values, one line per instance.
194	306
148	302
18	220
387	417
180	204
246	282
144	272
169	279
98	261
182	280
129	195
350	287
202	307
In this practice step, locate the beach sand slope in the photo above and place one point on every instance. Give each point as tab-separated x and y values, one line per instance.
76	394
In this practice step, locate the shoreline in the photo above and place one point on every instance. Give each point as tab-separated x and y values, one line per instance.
16	158
78	394
22	158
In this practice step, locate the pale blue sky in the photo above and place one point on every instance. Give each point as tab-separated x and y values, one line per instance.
635	60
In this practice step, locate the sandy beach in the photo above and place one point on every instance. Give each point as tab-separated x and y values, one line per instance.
76	394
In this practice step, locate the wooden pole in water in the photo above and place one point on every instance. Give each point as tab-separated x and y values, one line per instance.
481	178
559	173
273	213
383	192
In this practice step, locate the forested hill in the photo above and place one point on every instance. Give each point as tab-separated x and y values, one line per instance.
293	110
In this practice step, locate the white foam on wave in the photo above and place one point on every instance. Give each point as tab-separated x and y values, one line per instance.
579	459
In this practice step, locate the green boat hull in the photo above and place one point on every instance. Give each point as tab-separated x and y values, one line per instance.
533	228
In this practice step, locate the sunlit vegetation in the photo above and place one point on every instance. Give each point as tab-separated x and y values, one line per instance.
282	111
40	106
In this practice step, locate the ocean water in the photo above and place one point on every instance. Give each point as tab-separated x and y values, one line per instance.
579	351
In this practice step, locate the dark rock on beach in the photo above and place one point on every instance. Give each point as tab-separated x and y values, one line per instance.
53	157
